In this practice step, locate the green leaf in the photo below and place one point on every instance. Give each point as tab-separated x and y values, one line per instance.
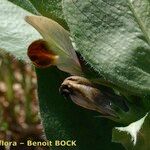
25	4
15	34
48	8
135	136
63	120
114	38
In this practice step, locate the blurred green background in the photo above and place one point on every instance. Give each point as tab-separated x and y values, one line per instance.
19	118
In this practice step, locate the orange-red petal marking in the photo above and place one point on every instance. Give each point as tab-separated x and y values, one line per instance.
41	55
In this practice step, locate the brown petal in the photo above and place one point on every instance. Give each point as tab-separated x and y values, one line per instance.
41	55
83	93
